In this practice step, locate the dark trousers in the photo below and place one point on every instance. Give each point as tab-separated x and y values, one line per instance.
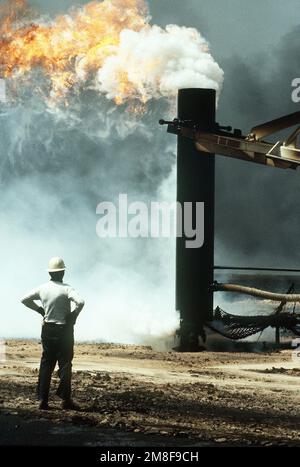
58	347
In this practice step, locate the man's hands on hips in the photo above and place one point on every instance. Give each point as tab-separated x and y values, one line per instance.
71	319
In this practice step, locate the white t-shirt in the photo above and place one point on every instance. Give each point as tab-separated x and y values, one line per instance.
56	298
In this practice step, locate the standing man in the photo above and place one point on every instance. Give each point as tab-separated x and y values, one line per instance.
57	332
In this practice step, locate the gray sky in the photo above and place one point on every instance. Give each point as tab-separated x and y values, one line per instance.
231	26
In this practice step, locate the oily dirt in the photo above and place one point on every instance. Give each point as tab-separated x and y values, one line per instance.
219	398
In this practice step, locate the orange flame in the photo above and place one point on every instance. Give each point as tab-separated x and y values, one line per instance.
70	47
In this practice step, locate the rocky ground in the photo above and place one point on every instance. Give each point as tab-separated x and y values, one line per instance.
167	398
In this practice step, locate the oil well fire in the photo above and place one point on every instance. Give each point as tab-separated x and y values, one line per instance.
199	139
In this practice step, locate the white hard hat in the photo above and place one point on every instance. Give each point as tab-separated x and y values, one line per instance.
56	264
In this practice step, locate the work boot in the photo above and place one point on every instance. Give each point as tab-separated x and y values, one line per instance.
69	404
44	405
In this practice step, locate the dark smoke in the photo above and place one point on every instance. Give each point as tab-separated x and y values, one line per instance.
258	208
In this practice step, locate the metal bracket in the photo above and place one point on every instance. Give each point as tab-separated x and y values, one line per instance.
270	153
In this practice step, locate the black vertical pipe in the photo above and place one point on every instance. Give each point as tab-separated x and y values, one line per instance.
195	182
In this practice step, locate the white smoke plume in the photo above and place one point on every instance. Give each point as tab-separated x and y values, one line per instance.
158	62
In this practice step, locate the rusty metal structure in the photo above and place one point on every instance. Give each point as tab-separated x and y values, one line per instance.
200	137
252	148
